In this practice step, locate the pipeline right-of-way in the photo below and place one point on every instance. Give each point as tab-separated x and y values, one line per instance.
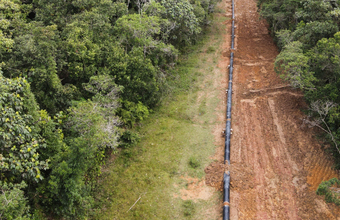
226	176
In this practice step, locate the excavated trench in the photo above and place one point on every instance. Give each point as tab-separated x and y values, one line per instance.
276	163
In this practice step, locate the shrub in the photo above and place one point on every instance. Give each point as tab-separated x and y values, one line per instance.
194	162
325	189
188	208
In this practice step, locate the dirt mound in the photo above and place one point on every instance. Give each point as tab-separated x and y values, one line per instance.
214	175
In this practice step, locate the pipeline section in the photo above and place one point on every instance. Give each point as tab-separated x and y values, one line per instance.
226	176
226	208
233	25
229	100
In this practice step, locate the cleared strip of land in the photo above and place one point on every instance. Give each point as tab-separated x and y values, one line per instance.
276	163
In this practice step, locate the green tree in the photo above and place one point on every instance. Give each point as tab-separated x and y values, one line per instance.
13	204
183	26
135	30
325	59
139	81
20	143
310	33
293	66
91	127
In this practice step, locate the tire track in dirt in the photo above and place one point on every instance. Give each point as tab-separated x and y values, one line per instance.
276	164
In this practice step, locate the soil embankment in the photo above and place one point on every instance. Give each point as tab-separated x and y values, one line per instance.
276	163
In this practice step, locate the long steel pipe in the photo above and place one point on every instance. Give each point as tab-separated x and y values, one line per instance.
233	7
226	177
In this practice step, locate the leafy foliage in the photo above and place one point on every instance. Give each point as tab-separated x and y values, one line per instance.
293	66
20	143
183	23
13	204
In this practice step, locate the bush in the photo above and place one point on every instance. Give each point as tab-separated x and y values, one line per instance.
128	139
188	208
13	204
211	49
194	162
330	196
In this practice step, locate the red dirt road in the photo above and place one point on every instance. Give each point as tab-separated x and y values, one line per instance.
276	163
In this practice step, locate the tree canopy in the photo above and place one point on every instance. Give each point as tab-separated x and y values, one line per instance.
75	76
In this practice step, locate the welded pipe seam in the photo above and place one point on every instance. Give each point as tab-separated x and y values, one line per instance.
226	208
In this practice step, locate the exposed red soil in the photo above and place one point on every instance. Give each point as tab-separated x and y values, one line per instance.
196	189
276	163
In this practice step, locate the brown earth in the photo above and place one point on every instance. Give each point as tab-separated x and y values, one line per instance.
196	189
276	162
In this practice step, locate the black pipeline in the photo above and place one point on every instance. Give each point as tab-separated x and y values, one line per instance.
226	208
229	102
232	34
233	25
226	177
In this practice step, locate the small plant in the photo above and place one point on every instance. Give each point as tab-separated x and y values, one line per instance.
211	49
202	108
188	208
128	139
194	162
325	188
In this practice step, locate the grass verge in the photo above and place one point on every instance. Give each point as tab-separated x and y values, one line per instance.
157	176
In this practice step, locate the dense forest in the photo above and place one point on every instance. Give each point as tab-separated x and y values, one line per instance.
75	76
307	34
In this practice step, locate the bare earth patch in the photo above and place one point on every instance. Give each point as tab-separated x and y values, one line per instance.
196	189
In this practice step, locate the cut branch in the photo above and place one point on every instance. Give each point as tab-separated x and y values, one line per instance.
135	202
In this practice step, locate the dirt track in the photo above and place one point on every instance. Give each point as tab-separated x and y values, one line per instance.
276	163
